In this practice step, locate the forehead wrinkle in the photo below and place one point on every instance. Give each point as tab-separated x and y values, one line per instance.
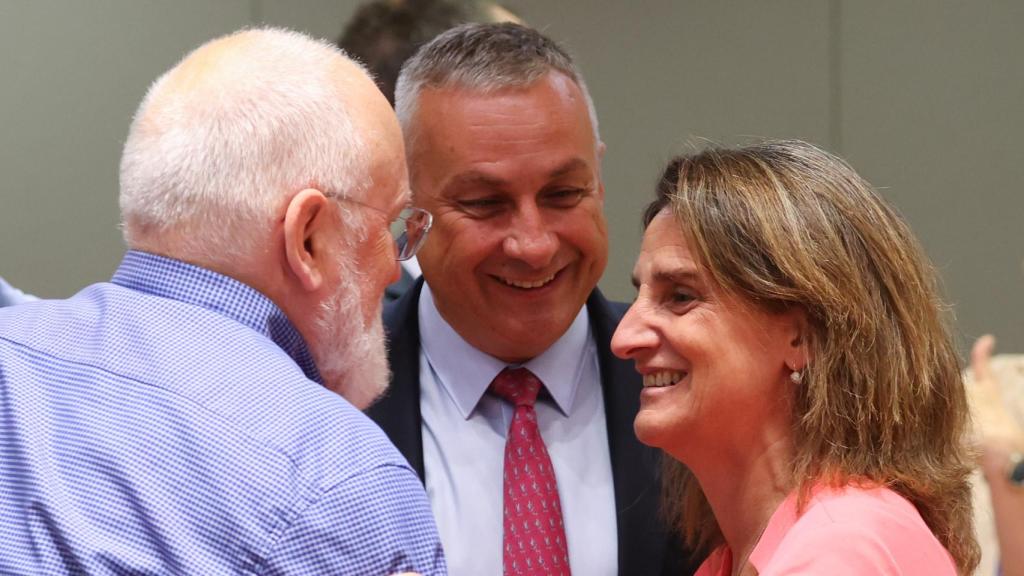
475	177
471	177
568	167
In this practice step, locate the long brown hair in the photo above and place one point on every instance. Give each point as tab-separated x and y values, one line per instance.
783	224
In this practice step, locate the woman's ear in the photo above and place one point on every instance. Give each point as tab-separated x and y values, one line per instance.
306	225
798	350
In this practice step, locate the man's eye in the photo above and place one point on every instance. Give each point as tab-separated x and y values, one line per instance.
480	207
478	202
564	197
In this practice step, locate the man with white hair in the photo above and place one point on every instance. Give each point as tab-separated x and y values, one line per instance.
185	417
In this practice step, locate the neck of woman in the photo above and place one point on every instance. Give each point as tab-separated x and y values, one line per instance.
744	488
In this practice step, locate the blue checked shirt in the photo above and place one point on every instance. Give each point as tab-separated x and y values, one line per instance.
172	422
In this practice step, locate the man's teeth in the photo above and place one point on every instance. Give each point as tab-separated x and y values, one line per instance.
662	379
522	284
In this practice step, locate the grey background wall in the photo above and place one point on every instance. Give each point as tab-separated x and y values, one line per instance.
924	98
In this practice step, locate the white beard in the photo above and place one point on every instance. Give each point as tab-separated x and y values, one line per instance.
351	356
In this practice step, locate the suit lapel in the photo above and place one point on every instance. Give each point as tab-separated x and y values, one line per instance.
401	286
635	467
398	412
642	540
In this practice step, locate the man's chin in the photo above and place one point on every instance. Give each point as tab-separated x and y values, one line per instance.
362	397
525	340
359	370
351	356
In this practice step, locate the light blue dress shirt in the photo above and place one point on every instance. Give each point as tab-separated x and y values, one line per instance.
172	421
9	295
464	433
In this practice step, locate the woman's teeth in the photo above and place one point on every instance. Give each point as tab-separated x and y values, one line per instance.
662	379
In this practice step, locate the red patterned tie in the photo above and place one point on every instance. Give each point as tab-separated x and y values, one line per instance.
534	534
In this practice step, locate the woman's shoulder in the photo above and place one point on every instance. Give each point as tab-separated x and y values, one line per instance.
857	530
874	507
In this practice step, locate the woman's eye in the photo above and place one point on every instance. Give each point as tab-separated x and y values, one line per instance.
681	297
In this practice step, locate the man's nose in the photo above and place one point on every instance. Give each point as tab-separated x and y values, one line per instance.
531	239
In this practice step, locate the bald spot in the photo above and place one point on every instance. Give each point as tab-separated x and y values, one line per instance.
231	63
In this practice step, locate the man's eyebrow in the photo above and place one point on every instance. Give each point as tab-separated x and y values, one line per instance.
569	167
475	178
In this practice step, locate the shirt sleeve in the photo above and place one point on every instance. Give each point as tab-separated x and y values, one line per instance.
376	523
9	295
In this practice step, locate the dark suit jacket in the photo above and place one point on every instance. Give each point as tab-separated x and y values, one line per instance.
401	286
645	546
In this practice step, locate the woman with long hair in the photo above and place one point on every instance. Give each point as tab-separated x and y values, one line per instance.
797	362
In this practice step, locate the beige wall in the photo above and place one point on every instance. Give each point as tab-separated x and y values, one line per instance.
923	97
73	74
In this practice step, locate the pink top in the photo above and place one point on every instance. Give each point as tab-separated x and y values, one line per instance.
847	531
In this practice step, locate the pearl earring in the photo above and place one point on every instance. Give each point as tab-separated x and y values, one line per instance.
796	376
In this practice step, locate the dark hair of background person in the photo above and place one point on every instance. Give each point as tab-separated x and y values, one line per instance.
383	34
785	224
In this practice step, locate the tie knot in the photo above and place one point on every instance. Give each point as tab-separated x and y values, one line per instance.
517	386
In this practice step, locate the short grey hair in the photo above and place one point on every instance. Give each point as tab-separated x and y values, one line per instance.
487	58
212	155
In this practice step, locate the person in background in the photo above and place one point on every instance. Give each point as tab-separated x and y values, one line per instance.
9	295
501	350
996	387
796	360
383	34
200	413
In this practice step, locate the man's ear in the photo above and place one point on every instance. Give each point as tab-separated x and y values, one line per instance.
306	222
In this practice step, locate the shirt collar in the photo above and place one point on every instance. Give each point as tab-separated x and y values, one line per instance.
177	280
465	373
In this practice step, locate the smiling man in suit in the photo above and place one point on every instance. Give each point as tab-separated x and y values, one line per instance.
383	34
506	398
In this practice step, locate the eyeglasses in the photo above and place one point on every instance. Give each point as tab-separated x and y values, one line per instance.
409	229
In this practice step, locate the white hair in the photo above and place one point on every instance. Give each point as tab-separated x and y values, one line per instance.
349	351
486	58
215	150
